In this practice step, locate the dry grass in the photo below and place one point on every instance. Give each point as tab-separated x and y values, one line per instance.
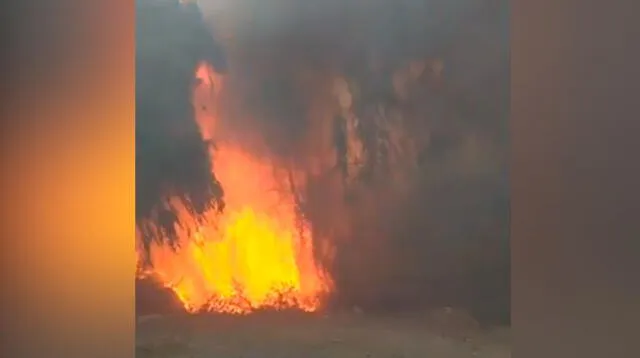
292	335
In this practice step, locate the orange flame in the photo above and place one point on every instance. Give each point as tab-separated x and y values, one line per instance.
257	253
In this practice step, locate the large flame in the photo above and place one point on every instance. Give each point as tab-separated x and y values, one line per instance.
257	253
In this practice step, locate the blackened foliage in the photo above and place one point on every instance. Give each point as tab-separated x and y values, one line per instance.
171	158
447	242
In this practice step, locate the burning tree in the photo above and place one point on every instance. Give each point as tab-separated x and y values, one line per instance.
381	125
234	253
171	157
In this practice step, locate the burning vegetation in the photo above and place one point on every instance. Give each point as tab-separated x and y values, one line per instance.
256	252
337	152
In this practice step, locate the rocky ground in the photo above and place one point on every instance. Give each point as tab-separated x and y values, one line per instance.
443	333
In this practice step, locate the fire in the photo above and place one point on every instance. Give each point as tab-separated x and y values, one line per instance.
258	252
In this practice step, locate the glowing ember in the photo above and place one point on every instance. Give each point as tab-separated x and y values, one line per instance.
256	254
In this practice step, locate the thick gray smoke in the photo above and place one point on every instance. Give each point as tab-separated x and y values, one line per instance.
421	214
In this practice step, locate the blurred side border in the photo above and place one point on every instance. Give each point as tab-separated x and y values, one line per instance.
68	179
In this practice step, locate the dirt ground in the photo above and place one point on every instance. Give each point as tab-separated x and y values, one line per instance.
291	334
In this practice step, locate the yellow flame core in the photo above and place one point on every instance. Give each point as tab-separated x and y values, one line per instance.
257	253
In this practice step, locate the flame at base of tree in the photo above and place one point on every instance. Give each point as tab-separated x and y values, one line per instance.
256	253
241	261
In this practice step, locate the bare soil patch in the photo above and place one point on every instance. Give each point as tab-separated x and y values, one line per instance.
292	334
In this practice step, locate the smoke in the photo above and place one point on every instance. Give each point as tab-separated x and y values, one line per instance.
398	112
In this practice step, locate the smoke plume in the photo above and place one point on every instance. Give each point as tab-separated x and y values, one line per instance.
396	110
